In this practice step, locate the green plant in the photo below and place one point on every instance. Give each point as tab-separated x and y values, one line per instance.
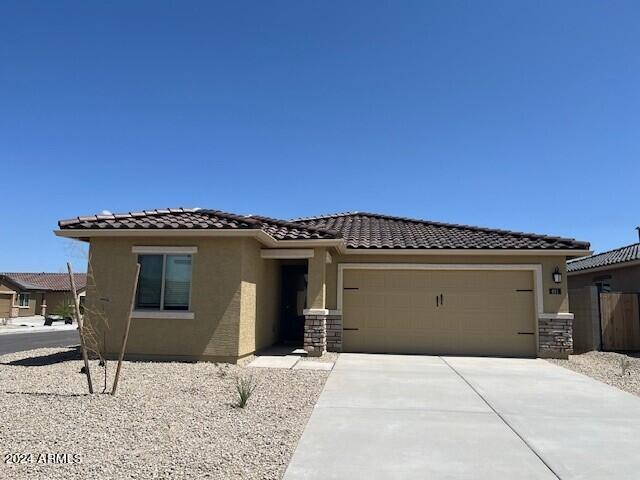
245	386
625	364
65	310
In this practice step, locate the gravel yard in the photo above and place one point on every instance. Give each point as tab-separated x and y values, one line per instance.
605	366
169	420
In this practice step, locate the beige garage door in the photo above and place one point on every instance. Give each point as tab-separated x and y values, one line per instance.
5	305
439	312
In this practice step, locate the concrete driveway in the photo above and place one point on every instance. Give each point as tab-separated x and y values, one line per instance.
396	416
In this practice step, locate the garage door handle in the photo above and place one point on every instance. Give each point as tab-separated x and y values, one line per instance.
350	329
526	333
437	301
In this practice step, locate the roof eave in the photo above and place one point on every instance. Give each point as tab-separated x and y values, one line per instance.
258	234
464	251
569	253
339	243
603	268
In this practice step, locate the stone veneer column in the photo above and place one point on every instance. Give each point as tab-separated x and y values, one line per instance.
334	333
555	337
322	333
315	335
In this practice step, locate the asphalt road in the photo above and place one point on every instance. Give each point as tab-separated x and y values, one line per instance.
18	342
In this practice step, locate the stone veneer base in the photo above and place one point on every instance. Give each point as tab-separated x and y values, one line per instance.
315	335
555	337
334	333
322	333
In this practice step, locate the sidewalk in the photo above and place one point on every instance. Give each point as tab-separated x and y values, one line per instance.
33	324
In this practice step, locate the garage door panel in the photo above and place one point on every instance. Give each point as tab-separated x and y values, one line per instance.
395	300
356	317
397	312
423	301
377	318
6	302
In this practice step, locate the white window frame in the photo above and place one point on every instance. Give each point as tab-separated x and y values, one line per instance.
161	312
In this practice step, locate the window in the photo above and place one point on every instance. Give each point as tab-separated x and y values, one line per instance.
603	282
164	283
604	286
23	300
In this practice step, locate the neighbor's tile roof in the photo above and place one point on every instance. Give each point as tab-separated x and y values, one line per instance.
370	230
53	282
196	219
612	257
359	230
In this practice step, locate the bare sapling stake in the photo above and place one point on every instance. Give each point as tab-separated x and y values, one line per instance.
80	321
126	331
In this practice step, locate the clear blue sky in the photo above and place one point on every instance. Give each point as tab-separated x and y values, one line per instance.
520	115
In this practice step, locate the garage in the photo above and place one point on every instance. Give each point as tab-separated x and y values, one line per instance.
6	302
449	312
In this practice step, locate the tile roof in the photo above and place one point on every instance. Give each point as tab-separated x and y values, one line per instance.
197	219
359	230
612	257
371	230
53	282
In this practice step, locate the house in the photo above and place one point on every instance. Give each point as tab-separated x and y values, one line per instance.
617	270
27	294
219	286
604	294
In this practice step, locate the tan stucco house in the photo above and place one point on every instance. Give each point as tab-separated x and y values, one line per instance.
219	286
24	294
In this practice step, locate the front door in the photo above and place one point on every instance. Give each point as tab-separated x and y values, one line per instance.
294	297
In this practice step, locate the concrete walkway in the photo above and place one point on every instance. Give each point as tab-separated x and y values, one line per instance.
286	357
402	417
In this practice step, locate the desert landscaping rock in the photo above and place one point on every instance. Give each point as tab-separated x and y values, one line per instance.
605	366
169	420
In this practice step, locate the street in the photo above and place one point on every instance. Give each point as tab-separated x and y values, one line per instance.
17	342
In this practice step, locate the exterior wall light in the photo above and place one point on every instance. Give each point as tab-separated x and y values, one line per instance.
557	276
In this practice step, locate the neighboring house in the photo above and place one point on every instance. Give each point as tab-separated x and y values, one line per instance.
27	294
613	271
219	286
603	292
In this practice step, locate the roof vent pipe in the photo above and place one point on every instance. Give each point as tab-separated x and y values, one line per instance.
638	229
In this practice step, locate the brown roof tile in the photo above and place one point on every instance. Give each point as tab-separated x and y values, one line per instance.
604	259
359	230
54	282
193	219
376	231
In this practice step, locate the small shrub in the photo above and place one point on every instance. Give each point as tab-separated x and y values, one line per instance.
65	310
223	370
245	385
624	366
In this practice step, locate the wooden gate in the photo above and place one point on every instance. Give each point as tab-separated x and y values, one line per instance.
620	321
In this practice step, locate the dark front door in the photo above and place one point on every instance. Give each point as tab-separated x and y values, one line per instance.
294	296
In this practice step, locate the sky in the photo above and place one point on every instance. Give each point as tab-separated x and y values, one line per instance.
522	115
